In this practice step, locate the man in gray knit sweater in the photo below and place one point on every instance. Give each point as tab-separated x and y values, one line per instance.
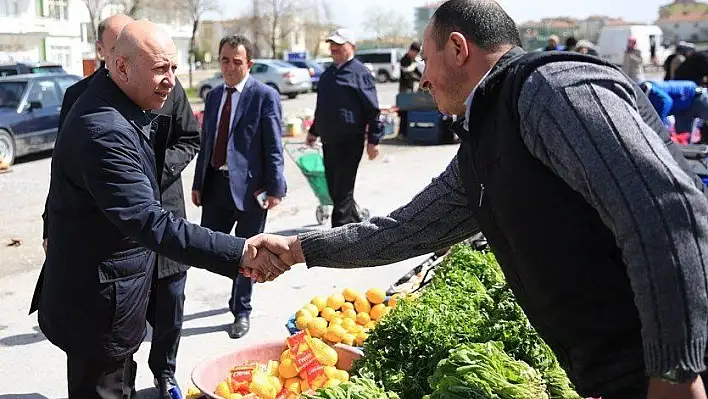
601	232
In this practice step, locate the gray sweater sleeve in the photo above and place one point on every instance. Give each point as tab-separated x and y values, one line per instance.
582	122
436	218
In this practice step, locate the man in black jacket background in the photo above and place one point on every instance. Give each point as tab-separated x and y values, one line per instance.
346	116
166	308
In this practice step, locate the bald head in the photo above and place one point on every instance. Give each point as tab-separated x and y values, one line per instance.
141	37
145	63
108	31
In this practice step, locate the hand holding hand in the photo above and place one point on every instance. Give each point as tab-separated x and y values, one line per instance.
261	264
286	248
372	150
311	138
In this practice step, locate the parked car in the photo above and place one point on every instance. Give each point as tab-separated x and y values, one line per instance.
314	69
23	68
326	62
287	79
385	61
208	84
29	112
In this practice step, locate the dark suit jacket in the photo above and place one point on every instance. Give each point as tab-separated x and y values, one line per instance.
107	224
255	150
182	146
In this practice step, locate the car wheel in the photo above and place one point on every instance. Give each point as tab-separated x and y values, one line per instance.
203	92
382	77
292	96
7	147
274	86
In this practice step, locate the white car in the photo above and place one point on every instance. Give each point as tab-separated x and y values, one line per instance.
327	61
285	78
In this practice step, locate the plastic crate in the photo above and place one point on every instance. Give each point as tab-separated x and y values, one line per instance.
425	127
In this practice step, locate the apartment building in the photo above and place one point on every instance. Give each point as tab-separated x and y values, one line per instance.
42	30
684	20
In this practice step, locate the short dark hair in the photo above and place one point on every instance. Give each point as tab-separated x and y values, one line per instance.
235	41
415	46
101	28
483	22
571	42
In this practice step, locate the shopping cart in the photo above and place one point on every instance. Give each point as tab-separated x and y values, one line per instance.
311	163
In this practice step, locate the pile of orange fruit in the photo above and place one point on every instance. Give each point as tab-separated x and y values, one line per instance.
345	316
306	364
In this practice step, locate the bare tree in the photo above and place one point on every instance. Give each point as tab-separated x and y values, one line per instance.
95	8
318	22
276	17
195	9
389	25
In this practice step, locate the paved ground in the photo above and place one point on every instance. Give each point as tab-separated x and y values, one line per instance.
31	368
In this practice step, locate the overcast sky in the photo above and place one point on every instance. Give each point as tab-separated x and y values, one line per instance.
352	13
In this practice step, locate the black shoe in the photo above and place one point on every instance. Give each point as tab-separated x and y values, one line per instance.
167	388
240	327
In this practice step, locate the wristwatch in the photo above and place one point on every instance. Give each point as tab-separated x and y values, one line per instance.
679	376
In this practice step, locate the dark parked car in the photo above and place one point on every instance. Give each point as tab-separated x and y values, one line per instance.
313	68
29	112
22	68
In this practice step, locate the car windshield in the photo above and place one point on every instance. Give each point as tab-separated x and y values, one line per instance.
48	69
11	93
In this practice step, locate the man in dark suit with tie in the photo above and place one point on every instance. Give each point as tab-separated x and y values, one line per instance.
166	310
239	173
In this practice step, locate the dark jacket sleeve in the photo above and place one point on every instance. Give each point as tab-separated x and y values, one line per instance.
112	173
185	132
201	155
370	105
70	96
273	145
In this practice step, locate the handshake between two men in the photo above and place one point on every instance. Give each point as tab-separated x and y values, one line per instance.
267	256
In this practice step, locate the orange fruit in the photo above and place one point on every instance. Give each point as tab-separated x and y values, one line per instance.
375	296
335	301
350	294
363	318
328	313
347	306
379	311
362	305
320	302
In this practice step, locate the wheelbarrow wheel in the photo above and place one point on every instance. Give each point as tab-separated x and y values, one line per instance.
321	214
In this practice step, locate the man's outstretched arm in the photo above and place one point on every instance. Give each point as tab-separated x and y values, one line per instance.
436	218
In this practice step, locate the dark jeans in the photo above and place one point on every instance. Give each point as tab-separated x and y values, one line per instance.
341	161
165	314
93	379
219	213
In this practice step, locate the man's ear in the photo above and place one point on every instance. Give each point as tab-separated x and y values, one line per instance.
121	68
460	48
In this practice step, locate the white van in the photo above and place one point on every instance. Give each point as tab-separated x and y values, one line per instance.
612	43
386	63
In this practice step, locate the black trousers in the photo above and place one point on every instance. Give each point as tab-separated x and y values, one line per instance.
219	213
93	379
165	314
341	161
